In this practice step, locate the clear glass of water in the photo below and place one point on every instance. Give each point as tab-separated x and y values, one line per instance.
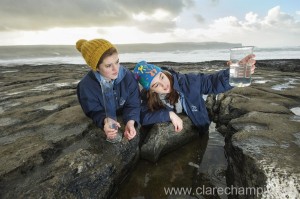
110	109
113	125
240	70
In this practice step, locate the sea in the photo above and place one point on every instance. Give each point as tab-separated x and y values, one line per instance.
174	52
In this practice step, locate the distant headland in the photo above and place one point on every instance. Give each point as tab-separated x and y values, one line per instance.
182	46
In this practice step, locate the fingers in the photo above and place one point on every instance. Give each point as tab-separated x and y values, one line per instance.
110	128
248	59
130	131
252	69
251	62
111	134
130	134
176	121
178	126
118	124
251	56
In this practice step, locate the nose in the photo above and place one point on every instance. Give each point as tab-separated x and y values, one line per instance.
164	86
115	67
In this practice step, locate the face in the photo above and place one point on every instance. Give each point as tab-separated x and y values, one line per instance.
109	68
160	84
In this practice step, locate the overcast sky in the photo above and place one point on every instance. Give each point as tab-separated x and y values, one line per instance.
263	23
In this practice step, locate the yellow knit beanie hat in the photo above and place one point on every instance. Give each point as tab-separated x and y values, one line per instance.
93	50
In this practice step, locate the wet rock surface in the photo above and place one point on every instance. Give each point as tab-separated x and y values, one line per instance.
262	132
50	149
162	138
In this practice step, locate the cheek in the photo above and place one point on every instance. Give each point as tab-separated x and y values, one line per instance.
166	81
155	90
104	71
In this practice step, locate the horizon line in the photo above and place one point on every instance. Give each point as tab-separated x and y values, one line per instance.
179	42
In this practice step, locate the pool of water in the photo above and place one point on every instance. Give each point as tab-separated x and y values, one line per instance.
200	164
288	84
296	110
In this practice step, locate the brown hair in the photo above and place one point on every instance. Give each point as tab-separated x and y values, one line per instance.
107	53
154	103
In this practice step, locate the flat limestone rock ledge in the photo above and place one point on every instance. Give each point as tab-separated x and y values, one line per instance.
262	135
65	158
162	138
48	147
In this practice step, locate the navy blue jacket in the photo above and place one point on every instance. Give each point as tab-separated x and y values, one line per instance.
126	93
191	88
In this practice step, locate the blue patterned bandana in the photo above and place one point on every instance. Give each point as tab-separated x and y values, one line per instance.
145	73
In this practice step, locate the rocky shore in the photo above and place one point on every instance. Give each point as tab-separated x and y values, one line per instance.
50	149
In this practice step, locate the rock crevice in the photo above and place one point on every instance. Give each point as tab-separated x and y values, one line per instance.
260	130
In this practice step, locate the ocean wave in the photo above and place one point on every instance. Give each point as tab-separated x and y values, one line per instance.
50	55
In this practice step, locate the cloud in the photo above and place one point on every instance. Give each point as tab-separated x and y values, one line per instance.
158	21
125	21
276	28
199	18
274	20
42	15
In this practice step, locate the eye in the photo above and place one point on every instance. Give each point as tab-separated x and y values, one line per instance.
118	61
155	85
108	66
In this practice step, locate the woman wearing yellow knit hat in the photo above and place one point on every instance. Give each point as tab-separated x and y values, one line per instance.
100	103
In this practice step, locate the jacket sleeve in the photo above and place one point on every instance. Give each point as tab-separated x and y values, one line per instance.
152	117
91	105
132	105
211	83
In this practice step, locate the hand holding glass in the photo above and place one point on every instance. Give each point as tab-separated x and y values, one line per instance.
111	129
240	66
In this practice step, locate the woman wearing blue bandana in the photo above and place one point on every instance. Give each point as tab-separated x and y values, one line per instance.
103	59
167	93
